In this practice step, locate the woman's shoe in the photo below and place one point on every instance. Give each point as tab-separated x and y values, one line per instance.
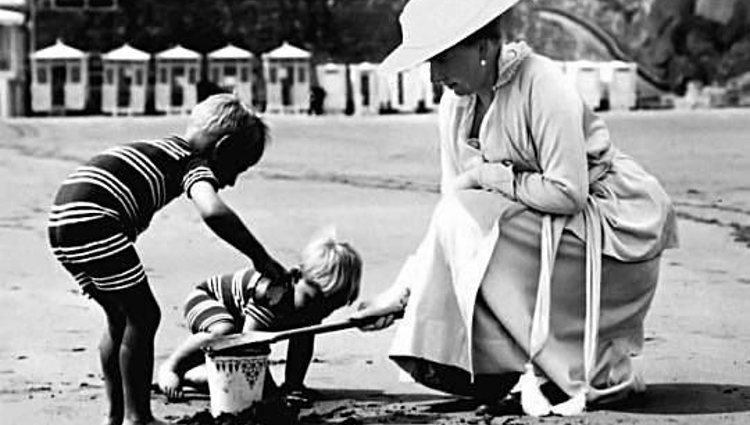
510	405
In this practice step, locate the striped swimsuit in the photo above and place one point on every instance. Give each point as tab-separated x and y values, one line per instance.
227	298
104	205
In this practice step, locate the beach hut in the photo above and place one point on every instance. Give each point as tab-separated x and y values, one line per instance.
125	78
177	72
409	91
427	96
287	72
586	75
59	79
333	79
621	85
12	68
231	68
365	88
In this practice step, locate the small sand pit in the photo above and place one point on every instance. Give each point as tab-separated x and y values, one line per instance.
271	412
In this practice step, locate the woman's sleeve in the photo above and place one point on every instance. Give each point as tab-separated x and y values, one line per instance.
448	160
555	123
497	177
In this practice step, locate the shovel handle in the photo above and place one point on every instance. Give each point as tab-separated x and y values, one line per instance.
337	326
241	340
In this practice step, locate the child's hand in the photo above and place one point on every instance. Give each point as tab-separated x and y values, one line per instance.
299	395
273	293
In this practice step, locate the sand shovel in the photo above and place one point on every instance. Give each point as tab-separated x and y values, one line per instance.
260	339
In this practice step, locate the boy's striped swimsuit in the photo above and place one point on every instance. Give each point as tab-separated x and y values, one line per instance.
227	298
103	206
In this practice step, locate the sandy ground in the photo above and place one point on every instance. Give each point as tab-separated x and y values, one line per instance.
375	179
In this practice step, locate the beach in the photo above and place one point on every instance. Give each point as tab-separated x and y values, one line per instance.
375	179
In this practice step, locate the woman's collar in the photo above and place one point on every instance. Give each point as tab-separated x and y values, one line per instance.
511	58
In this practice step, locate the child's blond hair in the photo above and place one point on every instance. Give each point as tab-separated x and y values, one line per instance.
335	267
225	114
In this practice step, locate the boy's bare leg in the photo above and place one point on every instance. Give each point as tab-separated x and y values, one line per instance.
142	316
109	355
186	357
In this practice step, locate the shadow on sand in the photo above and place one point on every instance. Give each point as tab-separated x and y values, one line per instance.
659	399
380	397
687	399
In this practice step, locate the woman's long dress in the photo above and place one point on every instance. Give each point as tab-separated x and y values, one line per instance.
475	277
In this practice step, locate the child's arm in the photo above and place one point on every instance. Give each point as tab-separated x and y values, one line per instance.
187	356
228	226
299	354
190	354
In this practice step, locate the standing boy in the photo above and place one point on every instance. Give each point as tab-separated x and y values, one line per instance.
103	206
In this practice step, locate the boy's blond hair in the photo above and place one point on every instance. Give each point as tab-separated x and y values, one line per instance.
335	267
220	114
225	114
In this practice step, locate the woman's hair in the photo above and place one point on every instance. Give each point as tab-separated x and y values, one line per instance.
225	115
508	25
335	267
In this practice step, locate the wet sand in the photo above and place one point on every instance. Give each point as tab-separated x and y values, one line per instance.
375	179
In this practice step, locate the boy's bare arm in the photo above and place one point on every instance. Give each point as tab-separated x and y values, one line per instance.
228	226
298	357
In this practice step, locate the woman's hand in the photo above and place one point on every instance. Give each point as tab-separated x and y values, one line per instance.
492	176
393	302
466	180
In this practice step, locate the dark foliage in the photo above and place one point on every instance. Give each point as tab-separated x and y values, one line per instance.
666	36
343	30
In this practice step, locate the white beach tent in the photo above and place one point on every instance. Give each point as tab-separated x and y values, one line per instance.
59	78
177	73
287	72
586	75
231	68
621	80
12	68
125	80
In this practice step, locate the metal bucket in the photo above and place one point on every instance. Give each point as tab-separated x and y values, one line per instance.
236	377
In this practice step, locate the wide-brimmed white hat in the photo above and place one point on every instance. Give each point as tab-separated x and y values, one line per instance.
429	27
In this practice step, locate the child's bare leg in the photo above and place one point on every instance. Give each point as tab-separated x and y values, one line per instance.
142	316
186	357
109	354
197	377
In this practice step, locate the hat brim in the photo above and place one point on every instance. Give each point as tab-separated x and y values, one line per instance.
405	57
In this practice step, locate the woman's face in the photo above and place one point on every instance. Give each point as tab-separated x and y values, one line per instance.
459	69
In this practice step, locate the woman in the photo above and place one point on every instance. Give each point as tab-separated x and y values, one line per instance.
543	253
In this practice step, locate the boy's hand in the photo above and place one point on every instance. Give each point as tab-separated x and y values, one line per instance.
273	270
275	284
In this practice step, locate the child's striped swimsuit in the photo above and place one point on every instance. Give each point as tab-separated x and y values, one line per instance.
103	206
227	298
